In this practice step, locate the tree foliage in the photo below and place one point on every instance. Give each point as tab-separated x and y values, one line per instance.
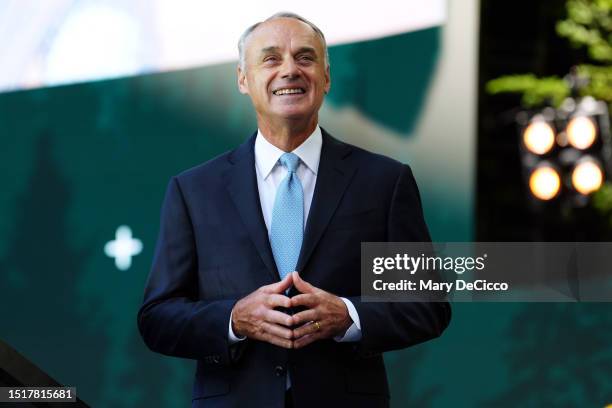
588	24
602	201
536	91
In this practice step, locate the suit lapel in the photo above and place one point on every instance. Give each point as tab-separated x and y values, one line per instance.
333	177
241	183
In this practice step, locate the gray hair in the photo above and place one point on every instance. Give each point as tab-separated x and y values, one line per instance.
282	14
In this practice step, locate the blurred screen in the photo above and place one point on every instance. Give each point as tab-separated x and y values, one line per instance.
66	41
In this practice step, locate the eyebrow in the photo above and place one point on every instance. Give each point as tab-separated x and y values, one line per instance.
310	50
301	50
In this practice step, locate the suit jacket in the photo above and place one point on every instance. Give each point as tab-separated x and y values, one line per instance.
213	249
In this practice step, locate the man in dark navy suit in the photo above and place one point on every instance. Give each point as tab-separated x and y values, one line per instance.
256	273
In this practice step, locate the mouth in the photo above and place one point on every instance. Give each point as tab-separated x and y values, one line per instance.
289	91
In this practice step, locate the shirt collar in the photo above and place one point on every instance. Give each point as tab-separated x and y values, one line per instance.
267	155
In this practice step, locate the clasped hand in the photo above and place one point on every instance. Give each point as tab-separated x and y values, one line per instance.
255	317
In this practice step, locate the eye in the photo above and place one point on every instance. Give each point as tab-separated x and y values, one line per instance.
270	58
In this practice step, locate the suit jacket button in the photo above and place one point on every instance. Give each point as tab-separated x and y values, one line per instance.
279	370
216	359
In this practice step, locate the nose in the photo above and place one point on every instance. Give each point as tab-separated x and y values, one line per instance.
289	69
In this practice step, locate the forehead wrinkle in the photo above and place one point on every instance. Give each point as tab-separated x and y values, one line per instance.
271	48
297	34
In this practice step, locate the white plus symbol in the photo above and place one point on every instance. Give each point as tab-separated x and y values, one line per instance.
123	248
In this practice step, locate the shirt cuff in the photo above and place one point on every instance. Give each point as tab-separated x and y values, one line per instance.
230	333
353	333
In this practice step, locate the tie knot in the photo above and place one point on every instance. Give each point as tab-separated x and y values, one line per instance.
290	161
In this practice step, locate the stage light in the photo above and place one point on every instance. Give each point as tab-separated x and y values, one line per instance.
566	152
587	176
539	137
581	132
544	182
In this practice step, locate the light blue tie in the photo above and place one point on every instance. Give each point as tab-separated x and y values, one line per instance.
287	229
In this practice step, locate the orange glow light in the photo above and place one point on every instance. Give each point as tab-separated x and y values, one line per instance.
545	183
581	132
539	137
587	177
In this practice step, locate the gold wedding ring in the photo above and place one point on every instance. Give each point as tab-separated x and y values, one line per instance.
317	325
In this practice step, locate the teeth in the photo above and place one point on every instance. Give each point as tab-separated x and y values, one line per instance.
286	91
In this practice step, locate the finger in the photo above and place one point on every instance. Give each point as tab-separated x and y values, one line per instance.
305	340
280	287
274	316
278	341
305	316
301	284
305	329
277	330
305	299
275	299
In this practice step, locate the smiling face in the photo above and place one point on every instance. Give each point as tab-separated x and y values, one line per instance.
285	73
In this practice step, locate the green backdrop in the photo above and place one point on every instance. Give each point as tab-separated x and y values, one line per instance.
78	161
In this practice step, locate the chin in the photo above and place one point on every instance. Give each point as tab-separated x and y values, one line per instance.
294	114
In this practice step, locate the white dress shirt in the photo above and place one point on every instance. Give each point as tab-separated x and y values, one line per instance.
270	173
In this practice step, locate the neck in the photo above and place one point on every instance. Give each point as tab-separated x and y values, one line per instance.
287	135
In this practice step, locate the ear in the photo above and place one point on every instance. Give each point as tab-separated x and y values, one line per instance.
327	80
243	85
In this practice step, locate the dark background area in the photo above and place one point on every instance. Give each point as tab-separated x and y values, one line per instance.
519	37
